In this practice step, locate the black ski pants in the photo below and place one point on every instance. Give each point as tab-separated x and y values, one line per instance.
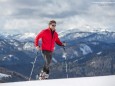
47	55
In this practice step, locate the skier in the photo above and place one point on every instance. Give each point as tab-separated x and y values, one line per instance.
49	37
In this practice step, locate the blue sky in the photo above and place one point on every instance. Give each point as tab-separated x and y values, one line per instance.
34	15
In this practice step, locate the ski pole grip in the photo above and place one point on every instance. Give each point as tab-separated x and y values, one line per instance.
64	42
64	46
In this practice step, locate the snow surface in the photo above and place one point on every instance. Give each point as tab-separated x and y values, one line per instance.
99	53
10	57
4	75
28	46
25	37
89	81
85	49
72	35
76	53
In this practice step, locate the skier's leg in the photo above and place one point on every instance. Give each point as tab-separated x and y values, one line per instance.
47	55
47	58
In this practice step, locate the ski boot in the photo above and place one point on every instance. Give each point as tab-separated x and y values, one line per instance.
43	75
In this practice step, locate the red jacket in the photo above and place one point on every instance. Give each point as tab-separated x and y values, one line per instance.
48	39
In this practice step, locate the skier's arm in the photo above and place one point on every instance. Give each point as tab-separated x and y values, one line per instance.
36	41
58	42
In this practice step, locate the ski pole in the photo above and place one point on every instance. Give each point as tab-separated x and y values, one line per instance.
33	66
65	61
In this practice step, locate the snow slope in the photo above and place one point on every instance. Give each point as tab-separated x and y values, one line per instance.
4	75
89	81
85	49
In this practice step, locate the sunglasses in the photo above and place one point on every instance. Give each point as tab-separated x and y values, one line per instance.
53	25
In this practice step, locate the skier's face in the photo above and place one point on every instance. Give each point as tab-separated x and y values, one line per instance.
52	26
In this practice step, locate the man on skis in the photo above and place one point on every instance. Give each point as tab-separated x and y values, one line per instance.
49	37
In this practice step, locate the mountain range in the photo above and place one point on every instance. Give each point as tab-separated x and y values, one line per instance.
86	54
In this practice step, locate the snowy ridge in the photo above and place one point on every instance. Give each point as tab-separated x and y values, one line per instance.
105	36
28	46
89	81
4	75
25	37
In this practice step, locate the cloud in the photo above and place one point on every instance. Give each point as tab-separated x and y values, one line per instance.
44	8
83	14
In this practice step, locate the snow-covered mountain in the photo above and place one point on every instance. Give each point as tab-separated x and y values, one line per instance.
104	36
4	76
25	41
24	37
84	51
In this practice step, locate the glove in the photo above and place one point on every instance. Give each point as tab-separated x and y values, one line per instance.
64	44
